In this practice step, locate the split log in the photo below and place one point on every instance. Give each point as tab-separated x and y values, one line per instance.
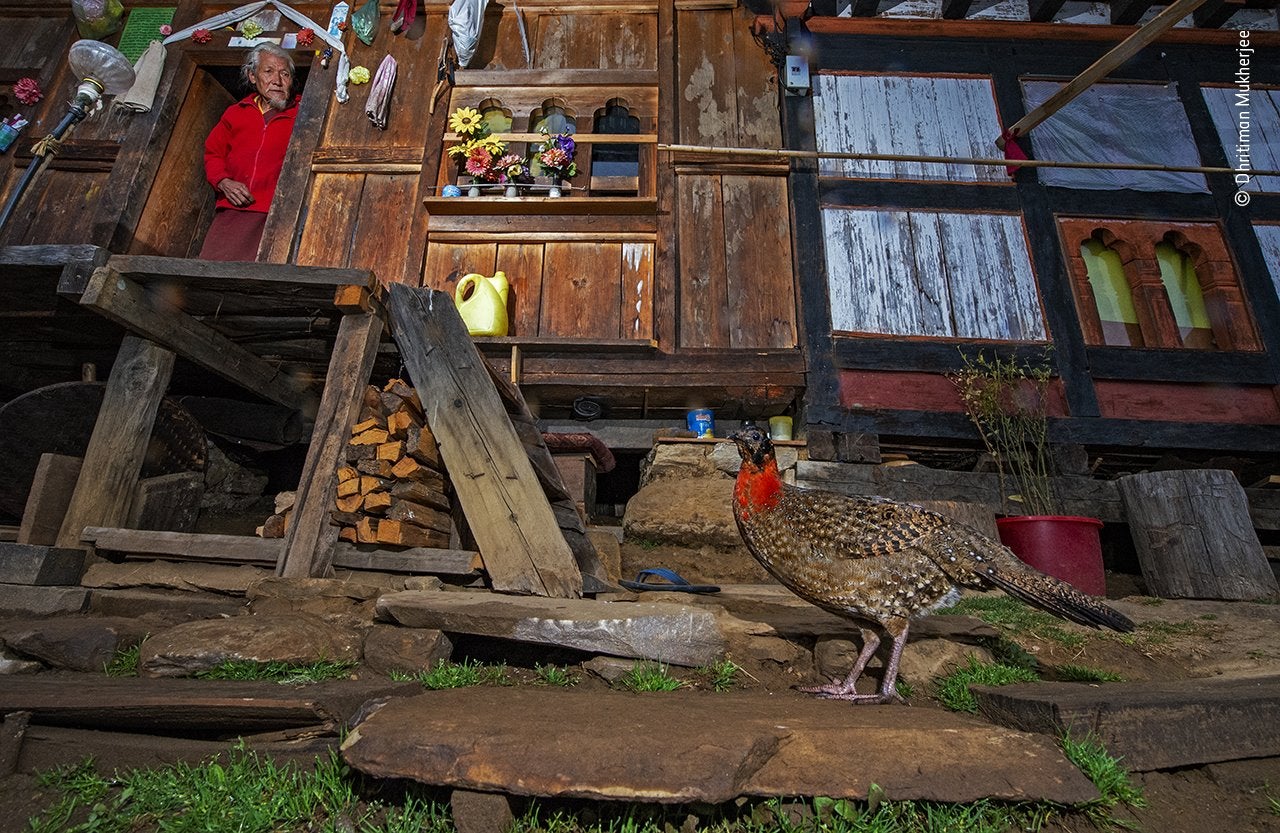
1194	536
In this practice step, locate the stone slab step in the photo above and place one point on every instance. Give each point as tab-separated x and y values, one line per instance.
681	747
670	633
207	708
40	565
1150	725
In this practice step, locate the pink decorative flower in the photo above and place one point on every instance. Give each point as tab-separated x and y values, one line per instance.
166	30
202	36
554	159
27	91
480	163
306	37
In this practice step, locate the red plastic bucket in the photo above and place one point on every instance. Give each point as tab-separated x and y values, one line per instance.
1065	547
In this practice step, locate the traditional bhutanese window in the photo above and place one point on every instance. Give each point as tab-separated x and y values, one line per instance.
1185	296
615	168
1112	295
929	273
1269	238
553	117
497	117
1127	123
1248	124
911	115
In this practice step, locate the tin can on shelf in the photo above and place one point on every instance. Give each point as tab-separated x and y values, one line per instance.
702	422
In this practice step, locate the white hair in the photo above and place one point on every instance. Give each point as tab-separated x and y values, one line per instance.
250	66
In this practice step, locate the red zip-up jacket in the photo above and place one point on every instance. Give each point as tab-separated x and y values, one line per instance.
248	149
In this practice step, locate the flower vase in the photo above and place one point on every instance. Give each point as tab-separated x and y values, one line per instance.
473	191
511	191
554	190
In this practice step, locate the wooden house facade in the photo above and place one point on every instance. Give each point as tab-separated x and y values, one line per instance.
839	281
629	289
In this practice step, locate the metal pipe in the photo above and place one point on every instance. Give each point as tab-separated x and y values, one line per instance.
74	115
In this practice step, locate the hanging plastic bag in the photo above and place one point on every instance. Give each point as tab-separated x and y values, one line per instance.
97	19
466	19
365	22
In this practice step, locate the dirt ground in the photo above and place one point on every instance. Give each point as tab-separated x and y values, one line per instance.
1175	640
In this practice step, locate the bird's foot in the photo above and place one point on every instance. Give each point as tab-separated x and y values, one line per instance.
839	691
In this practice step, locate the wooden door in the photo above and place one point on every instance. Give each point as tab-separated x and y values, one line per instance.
179	207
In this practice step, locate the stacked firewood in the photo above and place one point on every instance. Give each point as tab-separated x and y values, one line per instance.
392	489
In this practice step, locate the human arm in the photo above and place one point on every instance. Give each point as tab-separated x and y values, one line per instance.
217	148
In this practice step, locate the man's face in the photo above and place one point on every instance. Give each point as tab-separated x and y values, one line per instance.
273	80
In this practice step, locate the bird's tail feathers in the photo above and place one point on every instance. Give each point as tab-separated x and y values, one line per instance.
1059	598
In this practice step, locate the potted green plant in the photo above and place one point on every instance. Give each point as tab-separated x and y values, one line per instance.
1007	400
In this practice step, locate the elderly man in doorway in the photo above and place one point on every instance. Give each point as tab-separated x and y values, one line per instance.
245	152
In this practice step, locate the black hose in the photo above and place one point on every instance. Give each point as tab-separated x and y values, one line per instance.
74	115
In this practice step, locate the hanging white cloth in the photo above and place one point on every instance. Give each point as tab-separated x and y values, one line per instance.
237	14
466	20
147	72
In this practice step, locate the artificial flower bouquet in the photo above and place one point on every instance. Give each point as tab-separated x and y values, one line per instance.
482	156
555	155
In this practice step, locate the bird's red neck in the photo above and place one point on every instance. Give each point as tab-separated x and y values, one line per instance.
758	487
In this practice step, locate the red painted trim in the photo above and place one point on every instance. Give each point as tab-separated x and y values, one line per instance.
1174	402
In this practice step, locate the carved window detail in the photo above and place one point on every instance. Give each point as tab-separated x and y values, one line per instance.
1142	284
615	167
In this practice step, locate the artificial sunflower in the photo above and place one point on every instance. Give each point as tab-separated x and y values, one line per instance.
466	121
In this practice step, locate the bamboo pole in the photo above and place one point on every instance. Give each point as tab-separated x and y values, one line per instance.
960	160
1102	67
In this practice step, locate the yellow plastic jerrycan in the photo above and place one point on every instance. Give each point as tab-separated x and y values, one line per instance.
482	302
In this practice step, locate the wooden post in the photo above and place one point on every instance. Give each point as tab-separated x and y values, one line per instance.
310	541
113	460
522	546
1194	536
47	502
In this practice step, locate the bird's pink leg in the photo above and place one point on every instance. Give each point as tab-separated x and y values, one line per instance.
837	690
897	630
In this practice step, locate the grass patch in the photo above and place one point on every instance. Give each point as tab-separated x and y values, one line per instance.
554	675
242	792
281	672
448	674
1085	674
649	676
1111	779
721	675
952	690
1007	613
124	663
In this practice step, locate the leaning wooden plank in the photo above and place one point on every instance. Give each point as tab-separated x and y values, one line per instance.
1193	535
113	460
523	549
309	544
50	495
146	268
127	303
248	549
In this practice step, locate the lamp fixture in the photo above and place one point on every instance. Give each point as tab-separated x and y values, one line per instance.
102	70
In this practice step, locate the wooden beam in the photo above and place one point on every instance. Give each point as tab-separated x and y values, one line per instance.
113	460
50	495
1043	11
247	549
1129	12
126	302
309	544
523	548
1102	67
147	268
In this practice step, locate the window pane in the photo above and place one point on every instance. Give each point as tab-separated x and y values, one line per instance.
1185	296
1111	294
907	116
1132	123
1269	238
1248	123
926	273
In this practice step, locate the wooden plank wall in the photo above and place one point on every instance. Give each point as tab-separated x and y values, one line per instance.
362	201
733	230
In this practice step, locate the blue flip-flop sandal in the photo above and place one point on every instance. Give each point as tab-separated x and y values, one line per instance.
672	582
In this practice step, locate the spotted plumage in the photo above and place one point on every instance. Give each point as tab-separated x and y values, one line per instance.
879	562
